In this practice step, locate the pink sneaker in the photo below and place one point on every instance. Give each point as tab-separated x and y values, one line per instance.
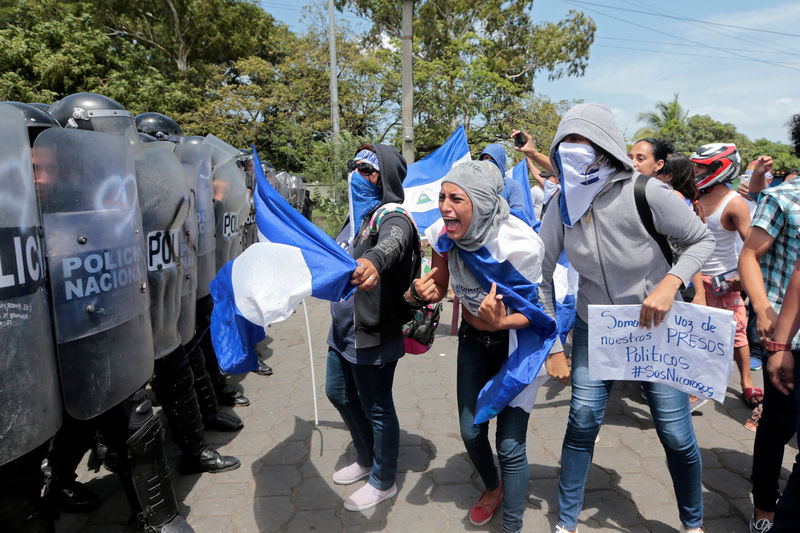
351	474
368	497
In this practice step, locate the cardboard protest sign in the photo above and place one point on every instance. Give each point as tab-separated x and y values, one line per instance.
692	350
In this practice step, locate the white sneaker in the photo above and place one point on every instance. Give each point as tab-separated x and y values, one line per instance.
350	474
562	529
368	497
759	526
685	529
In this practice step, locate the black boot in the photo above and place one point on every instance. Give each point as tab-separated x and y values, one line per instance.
208	461
226	393
263	369
213	417
71	497
183	413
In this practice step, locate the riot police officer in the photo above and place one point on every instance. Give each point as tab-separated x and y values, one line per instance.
29	391
88	195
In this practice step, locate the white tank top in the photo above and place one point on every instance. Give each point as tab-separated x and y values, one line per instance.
726	252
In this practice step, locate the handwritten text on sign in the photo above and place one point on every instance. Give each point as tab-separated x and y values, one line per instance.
692	350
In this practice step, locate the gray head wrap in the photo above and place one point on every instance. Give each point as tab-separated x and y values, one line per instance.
482	182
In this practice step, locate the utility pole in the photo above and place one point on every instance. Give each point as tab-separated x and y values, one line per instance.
334	83
408	81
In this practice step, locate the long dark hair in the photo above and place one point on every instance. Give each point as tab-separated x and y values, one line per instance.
661	150
680	167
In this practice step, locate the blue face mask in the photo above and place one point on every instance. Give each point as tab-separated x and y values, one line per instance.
364	198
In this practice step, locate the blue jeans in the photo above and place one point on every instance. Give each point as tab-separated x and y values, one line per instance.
480	356
673	422
363	396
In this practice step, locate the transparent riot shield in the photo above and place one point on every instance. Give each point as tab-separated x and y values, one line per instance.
164	201
87	192
230	211
188	251
221	152
29	392
199	155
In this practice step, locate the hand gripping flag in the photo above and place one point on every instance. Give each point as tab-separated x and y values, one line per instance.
506	261
292	260
424	178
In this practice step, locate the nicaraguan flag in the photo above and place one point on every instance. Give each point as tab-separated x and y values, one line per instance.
292	260
565	290
507	260
520	174
424	178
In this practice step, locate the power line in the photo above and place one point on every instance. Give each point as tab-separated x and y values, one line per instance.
774	63
692	46
685	54
675	17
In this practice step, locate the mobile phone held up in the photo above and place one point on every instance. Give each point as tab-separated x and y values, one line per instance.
519	139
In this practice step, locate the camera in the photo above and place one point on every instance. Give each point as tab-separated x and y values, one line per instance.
519	139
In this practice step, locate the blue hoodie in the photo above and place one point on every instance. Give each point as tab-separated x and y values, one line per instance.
511	189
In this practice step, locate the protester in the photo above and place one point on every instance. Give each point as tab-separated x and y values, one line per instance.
783	373
770	252
476	219
649	156
365	339
619	263
726	216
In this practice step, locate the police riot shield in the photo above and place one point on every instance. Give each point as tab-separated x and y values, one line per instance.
164	201
29	395
230	211
249	229
188	252
87	192
221	152
199	156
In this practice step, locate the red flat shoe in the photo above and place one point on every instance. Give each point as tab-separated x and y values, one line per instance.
479	515
753	396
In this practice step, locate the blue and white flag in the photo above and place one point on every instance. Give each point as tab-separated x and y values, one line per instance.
512	260
292	260
520	174
424	178
565	291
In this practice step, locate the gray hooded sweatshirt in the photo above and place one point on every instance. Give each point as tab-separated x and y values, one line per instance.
618	261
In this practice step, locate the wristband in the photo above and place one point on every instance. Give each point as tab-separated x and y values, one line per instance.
415	304
419	299
772	346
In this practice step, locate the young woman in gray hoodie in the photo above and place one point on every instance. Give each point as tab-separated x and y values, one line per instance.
594	218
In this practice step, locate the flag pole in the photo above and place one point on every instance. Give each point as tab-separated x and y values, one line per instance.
311	360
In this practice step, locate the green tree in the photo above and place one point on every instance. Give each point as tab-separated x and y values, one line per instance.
475	62
668	117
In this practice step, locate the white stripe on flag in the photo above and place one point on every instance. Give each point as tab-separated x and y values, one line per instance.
269	281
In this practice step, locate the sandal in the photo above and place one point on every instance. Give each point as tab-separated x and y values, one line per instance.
753	396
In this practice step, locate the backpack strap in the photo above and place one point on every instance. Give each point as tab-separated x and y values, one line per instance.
646	215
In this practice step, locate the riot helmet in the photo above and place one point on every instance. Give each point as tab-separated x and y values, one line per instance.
94	112
194	139
42	106
145	138
715	163
159	126
36	119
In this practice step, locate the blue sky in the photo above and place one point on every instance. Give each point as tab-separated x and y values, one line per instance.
748	78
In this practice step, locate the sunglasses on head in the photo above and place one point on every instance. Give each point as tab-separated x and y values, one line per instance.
365	168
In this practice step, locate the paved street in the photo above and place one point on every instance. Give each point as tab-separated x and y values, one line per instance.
284	483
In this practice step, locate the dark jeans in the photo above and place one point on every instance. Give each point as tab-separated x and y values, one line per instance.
671	417
480	356
776	427
787	512
363	396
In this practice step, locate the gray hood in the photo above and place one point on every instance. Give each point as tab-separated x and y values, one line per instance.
596	123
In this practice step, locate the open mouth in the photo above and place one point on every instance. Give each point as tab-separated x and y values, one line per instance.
451	225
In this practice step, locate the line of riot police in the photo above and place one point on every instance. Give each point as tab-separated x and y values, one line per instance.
109	238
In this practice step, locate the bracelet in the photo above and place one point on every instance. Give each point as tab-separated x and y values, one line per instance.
772	346
413	303
414	294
